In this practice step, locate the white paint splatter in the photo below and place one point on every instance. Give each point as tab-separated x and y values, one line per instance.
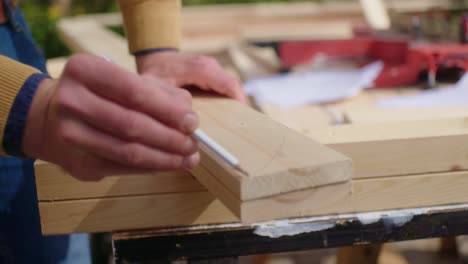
275	231
369	218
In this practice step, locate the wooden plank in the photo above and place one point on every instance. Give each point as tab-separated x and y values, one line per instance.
245	65
277	159
318	30
281	10
54	184
376	14
399	115
302	119
55	66
380	150
198	208
376	150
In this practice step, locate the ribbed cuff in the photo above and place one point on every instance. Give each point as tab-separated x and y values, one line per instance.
151	24
149	51
14	130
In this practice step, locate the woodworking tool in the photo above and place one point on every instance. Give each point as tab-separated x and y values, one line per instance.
404	63
219	150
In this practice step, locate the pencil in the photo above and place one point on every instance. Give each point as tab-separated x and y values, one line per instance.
219	150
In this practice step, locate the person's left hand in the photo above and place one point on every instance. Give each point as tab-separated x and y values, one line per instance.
180	69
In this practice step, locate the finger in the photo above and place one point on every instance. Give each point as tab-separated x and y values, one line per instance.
88	167
126	124
208	74
125	153
133	91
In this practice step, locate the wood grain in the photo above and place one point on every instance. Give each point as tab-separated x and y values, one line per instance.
198	208
361	116
380	150
277	159
54	184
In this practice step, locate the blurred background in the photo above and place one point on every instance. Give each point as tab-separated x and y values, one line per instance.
43	15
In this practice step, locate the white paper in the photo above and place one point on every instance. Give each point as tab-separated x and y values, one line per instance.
316	86
456	95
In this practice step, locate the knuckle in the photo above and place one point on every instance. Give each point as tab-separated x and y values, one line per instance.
134	96
66	133
203	62
131	154
184	94
74	65
65	103
172	141
174	162
128	126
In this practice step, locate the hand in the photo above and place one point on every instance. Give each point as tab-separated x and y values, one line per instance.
100	120
182	69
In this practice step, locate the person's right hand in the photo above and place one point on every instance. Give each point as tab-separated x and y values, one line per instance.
99	120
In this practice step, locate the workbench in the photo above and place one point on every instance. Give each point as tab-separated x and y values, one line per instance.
224	243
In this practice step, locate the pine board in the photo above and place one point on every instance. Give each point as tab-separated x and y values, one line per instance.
276	158
198	208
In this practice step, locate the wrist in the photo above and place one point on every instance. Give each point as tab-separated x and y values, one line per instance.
145	58
35	127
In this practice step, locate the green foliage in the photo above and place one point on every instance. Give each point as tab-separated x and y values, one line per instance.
43	29
209	2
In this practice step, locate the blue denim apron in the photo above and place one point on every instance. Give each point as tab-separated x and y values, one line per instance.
20	233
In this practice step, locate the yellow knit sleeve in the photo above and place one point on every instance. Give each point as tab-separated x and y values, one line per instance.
12	77
151	24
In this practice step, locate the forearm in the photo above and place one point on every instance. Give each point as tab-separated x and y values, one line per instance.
18	83
151	24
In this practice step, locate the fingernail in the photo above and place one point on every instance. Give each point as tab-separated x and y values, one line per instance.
189	123
191	161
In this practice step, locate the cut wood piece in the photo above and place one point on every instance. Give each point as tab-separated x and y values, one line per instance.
362	116
302	119
198	208
276	158
320	30
54	184
55	66
376	150
266	56
128	213
380	150
247	67
286	208
376	14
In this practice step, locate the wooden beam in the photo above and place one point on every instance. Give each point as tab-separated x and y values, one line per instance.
198	208
54	184
376	150
318	30
375	115
277	159
376	14
380	150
